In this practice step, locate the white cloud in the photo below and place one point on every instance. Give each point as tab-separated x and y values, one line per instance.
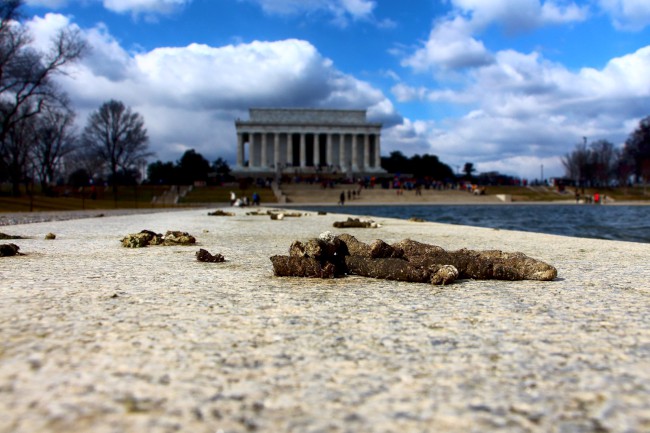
453	45
526	109
358	8
43	29
342	10
405	93
450	46
190	96
520	107
518	15
628	14
144	6
136	7
50	4
552	13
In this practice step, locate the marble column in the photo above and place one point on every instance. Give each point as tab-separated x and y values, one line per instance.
251	150
377	152
342	162
264	162
366	151
289	149
276	150
328	156
316	150
240	149
355	153
303	151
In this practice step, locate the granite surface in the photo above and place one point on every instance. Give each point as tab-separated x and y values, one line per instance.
101	338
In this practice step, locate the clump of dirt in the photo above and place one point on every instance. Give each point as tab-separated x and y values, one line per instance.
220	212
50	236
283	215
5	236
356	223
147	237
332	256
8	250
204	256
416	220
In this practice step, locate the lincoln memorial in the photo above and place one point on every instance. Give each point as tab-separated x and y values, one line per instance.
276	140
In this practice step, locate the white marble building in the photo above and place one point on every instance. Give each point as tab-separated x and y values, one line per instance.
291	140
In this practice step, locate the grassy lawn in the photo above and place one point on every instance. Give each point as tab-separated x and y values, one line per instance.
524	194
129	197
141	197
221	194
80	199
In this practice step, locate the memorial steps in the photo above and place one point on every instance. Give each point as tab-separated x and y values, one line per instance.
315	193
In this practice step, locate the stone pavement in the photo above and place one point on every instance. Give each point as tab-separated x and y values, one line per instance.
100	338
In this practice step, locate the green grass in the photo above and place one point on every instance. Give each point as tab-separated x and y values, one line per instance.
221	194
80	199
141	197
524	194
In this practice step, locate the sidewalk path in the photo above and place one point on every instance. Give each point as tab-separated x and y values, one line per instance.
99	338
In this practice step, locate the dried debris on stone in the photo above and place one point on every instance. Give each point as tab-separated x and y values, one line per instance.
356	223
275	214
220	212
147	237
283	215
332	256
8	250
5	236
479	265
205	256
416	220
50	236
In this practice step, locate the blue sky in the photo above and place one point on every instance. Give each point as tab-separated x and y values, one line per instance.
509	85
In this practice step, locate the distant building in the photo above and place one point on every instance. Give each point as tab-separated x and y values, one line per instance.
277	140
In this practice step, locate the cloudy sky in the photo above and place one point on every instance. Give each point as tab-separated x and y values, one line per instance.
509	85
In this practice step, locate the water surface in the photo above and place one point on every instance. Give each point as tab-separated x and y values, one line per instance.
620	222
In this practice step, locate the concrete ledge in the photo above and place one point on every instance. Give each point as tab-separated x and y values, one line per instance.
99	338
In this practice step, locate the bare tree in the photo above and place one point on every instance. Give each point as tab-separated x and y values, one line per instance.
603	159
575	163
118	136
637	148
26	75
56	138
16	152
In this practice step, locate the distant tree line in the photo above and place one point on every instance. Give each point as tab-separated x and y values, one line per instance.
428	168
601	163
191	167
420	167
